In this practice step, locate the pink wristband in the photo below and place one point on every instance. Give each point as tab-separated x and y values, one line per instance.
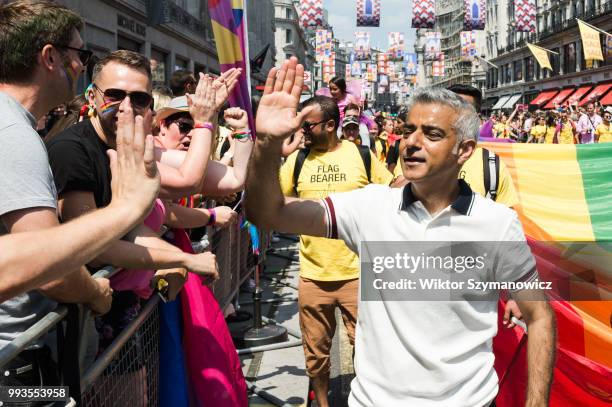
204	125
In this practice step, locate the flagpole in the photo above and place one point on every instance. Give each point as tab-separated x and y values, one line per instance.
595	28
487	62
544	49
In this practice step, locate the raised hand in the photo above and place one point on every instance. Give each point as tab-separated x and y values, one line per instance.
224	86
236	118
277	113
135	179
202	103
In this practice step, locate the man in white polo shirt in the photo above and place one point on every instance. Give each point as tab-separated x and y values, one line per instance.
411	353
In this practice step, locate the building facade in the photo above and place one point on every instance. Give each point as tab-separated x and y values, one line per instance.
261	26
290	37
184	41
518	77
450	22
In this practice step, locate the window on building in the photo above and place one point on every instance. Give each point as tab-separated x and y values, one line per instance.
288	36
607	49
569	58
128	44
288	13
180	63
158	66
508	73
518	70
529	69
555	62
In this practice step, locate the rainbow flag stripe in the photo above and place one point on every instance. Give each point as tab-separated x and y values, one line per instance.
565	194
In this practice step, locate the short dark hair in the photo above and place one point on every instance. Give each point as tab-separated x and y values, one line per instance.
327	105
351	106
339	82
179	79
27	26
124	57
468	90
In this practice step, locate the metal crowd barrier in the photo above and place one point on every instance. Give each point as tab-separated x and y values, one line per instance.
127	372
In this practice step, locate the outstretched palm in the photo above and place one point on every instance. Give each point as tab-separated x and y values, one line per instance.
276	115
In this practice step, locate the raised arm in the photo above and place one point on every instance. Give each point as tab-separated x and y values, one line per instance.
277	118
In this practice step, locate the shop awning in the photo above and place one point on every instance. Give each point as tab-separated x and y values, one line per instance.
512	101
607	100
543	97
596	93
501	102
560	98
489	103
578	94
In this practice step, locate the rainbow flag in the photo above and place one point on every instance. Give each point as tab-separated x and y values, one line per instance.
565	194
228	19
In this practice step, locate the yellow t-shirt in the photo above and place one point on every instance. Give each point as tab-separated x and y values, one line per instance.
604	132
322	174
566	135
550	135
539	132
502	130
473	173
379	150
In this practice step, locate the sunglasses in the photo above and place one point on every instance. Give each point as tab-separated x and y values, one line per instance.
184	126
140	100
307	126
84	54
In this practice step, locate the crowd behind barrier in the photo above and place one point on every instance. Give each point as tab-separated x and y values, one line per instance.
127	372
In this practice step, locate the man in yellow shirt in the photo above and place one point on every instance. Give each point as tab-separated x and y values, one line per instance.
329	271
603	132
566	130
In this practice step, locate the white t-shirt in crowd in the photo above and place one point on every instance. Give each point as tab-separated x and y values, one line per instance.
425	353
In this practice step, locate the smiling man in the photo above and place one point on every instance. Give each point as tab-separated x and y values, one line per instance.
417	353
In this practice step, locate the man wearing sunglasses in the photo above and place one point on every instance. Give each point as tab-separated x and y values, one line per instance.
78	158
328	269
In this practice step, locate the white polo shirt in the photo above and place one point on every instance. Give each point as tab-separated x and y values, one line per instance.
425	353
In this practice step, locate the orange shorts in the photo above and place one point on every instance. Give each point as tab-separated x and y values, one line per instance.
317	304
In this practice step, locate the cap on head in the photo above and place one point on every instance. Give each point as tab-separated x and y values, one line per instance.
348	120
177	105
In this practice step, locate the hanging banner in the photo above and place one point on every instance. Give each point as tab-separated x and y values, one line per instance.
410	64
228	19
590	42
468	45
368	13
525	15
381	62
311	13
323	44
396	46
438	66
356	70
432	45
540	55
372	72
329	67
423	13
362	45
475	14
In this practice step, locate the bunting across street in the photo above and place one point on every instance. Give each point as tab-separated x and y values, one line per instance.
368	13
475	15
525	15
311	13
423	13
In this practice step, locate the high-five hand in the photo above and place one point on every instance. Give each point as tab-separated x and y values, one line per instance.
277	115
202	103
224	85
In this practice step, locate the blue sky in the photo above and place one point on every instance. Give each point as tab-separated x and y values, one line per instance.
396	15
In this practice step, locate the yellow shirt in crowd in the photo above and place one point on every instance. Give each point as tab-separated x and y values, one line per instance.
604	133
566	135
379	151
539	132
550	135
473	173
322	174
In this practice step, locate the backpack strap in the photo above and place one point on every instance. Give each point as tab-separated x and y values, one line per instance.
490	165
299	163
366	157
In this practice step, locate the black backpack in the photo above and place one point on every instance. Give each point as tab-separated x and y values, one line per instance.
490	165
364	152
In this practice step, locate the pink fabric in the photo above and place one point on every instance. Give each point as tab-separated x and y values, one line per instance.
213	366
138	280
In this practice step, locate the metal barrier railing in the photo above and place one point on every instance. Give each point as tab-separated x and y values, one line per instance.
127	372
